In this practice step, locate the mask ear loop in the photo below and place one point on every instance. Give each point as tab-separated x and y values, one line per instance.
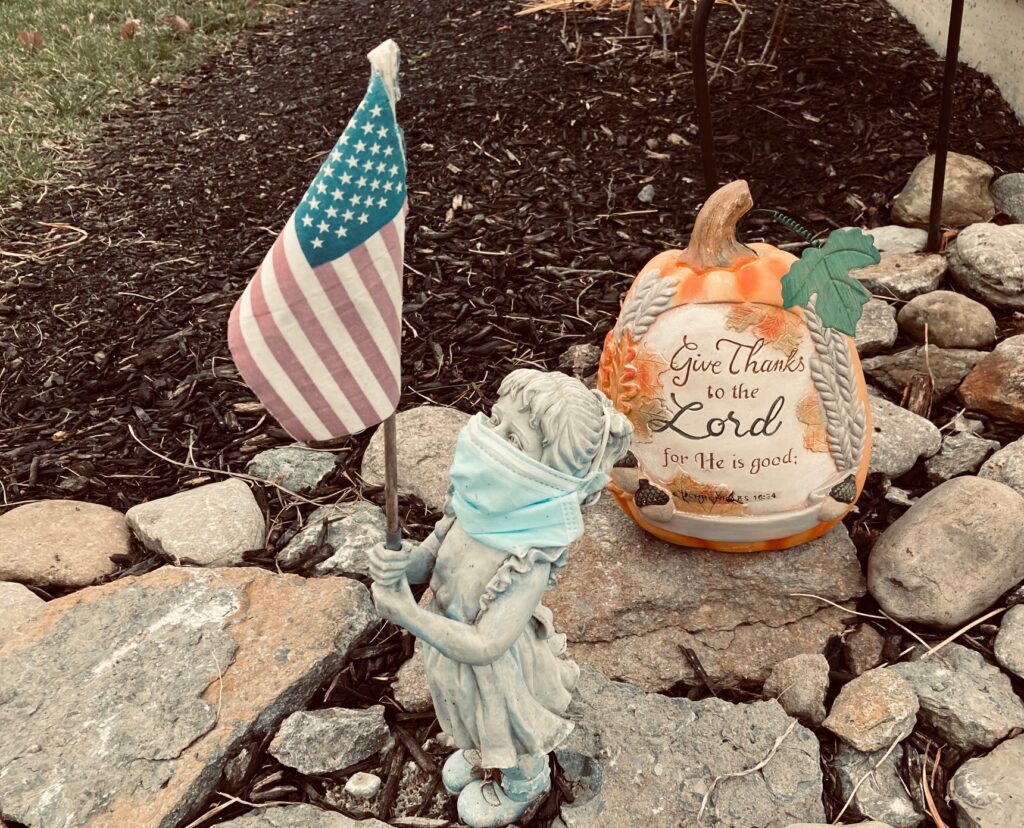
605	433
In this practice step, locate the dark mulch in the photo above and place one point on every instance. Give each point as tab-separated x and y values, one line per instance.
529	139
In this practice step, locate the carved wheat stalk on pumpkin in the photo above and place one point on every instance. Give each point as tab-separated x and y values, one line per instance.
832	373
651	295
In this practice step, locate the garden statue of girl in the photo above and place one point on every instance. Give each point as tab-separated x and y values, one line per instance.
493	660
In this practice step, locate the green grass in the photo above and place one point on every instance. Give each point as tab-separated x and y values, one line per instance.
53	95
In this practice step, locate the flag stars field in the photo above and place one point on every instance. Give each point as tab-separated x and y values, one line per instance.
352	168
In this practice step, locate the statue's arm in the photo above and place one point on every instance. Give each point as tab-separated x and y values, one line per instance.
495	631
421	562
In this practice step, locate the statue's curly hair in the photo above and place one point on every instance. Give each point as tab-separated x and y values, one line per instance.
571	420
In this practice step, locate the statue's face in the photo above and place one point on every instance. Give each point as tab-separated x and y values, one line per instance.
512	422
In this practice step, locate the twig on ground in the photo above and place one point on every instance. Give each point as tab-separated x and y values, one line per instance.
853	793
952	637
735	774
239	475
926	786
880	617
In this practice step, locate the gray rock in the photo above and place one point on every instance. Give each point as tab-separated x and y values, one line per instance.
647	761
962	452
874	710
426	445
61	542
863	648
877	329
211	525
965	193
125	706
799	684
18	606
363	785
628	602
411	689
987	261
967	701
946	366
893	238
646	194
297	467
1008	195
324	741
298	816
995	385
903	275
1007	466
951	555
580	360
352	528
948	320
1009	644
987	792
899	438
881	794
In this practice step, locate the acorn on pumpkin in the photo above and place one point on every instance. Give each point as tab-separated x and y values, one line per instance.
653	501
625	474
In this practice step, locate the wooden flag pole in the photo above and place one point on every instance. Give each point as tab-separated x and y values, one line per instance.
393	538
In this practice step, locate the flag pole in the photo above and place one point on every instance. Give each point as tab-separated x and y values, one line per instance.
393	539
385	59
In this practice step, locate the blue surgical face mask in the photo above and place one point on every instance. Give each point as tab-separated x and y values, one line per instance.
507	500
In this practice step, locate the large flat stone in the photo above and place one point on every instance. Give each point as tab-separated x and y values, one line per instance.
61	542
628	602
121	704
892	238
638	760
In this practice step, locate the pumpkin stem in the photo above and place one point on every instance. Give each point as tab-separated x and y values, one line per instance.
713	242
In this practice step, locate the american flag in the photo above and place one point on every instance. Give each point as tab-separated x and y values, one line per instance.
317	332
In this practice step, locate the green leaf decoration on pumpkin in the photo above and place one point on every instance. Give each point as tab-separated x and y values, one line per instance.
824	271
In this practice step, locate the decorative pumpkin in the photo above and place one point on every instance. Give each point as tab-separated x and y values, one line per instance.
734	364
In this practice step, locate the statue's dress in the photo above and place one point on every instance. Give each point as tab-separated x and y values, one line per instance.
516	704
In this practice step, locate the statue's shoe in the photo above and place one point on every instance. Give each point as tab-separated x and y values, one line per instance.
486	805
461	768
